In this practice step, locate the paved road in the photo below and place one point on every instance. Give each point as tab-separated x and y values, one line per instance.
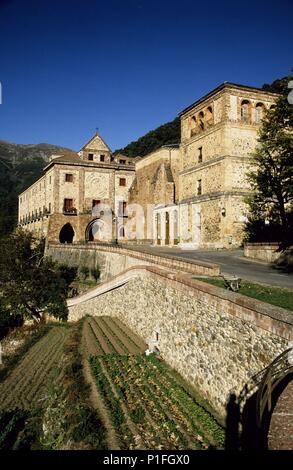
231	262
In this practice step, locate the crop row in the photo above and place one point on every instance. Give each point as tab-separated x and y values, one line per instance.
27	381
161	419
149	383
112	338
163	411
112	403
199	418
207	423
146	418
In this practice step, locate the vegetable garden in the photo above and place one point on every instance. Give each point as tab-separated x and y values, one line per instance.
147	404
26	384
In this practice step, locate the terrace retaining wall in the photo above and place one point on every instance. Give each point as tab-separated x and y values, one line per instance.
216	339
113	260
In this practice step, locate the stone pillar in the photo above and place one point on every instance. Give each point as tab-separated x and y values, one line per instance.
155	231
163	227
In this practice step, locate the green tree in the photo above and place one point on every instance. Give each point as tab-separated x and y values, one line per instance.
31	285
272	174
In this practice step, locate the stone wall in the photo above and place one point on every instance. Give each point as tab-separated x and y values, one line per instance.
217	340
263	251
155	183
114	260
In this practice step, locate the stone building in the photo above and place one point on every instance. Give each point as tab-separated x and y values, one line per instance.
154	194
191	194
79	195
218	136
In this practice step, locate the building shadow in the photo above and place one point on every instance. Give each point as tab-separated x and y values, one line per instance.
232	437
243	432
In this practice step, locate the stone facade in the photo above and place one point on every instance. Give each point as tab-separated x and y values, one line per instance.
155	190
218	136
192	195
76	191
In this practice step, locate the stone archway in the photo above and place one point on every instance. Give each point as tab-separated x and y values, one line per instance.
97	231
66	234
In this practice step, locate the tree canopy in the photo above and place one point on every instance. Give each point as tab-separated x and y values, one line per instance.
272	174
31	285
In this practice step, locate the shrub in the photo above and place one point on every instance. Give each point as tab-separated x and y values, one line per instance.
95	273
84	272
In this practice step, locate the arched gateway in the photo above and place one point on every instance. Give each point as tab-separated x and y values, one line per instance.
97	230
66	234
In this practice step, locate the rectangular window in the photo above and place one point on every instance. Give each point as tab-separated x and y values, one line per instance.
112	159
102	158
199	187
96	202
90	156
68	204
122	162
50	207
50	180
69	177
122	181
200	155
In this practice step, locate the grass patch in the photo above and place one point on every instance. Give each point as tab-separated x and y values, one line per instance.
278	296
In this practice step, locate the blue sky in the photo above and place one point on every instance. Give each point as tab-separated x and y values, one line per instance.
127	66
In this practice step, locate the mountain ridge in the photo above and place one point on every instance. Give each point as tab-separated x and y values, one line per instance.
20	166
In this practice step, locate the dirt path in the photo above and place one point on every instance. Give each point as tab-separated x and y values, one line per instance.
140	445
92	344
113	442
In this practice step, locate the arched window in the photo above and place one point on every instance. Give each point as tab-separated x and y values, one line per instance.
209	119
193	126
259	112
245	111
201	120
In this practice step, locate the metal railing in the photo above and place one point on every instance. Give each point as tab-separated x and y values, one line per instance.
273	375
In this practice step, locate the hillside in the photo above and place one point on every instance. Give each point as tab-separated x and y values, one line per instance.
20	165
168	133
